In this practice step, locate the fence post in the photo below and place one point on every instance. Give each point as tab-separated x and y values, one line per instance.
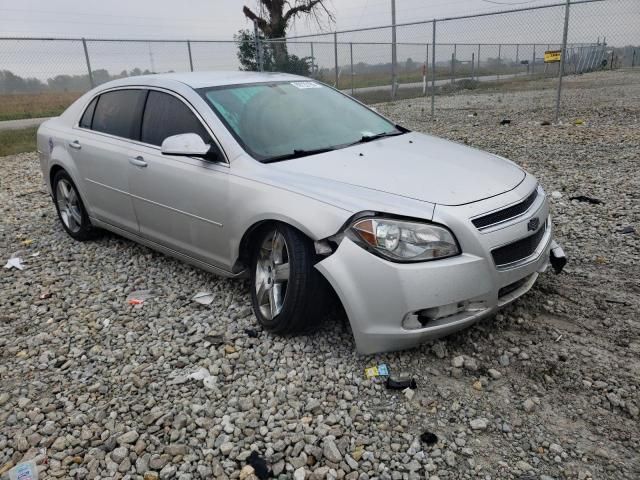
190	57
518	53
478	71
611	67
351	55
453	59
433	71
499	59
633	59
313	60
335	54
533	63
394	56
562	57
473	64
86	57
426	68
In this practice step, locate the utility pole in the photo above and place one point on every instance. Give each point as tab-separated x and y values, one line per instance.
563	54
394	58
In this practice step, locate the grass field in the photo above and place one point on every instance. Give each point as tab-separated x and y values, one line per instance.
17	141
34	105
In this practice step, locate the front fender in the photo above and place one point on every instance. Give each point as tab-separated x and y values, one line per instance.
255	202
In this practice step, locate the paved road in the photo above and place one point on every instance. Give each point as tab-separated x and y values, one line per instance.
444	81
23	123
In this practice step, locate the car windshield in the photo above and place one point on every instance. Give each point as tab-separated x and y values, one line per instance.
283	120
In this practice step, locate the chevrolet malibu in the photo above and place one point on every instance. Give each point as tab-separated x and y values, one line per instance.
307	192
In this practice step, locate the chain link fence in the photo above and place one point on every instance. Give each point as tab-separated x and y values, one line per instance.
502	51
436	59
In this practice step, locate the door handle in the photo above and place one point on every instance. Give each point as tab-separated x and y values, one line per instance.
75	145
138	161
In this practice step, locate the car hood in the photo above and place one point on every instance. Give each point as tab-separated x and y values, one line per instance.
416	166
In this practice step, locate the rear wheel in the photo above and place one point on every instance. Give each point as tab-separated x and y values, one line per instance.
287	292
71	211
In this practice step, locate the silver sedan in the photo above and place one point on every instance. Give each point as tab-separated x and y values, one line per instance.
307	192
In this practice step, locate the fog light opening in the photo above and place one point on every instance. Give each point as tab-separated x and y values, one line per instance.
423	318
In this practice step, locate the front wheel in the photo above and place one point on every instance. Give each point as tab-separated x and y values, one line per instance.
287	292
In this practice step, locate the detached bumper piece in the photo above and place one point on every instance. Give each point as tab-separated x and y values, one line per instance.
557	257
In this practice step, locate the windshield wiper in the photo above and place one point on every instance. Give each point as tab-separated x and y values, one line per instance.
297	153
368	138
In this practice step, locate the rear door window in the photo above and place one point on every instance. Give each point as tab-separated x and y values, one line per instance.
118	113
87	116
166	115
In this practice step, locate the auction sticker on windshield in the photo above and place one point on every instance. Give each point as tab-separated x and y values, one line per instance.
303	85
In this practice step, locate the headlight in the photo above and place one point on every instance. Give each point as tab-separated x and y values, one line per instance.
405	241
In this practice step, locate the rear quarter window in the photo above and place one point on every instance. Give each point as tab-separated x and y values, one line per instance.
118	113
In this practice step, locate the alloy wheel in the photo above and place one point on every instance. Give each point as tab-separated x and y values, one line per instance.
68	205
272	274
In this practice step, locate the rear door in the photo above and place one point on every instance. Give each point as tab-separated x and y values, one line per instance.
100	145
180	202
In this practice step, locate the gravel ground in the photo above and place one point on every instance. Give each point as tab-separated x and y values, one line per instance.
549	388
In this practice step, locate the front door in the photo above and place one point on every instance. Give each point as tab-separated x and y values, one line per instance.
180	202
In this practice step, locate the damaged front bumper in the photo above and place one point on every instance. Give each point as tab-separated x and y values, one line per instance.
393	306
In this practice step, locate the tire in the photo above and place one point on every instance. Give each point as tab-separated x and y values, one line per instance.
71	212
282	267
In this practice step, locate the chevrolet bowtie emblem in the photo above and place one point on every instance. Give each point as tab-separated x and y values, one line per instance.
533	224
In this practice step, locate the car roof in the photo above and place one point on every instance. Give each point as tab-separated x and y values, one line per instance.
205	79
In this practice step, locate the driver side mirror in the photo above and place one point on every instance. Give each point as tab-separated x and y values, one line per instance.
185	145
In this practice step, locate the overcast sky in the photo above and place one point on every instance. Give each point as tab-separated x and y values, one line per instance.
211	19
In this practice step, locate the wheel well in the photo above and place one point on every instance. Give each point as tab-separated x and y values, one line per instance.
251	236
52	173
246	244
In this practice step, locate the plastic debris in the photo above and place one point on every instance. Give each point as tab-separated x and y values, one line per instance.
45	294
627	230
401	384
545	123
585	199
26	242
14	262
200	374
377	371
24	471
578	121
259	464
556	194
429	438
251	333
203	298
138	297
27	470
35	254
505	121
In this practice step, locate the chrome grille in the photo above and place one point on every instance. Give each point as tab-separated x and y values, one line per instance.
518	250
506	213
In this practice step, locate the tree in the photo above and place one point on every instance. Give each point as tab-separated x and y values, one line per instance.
247	56
274	17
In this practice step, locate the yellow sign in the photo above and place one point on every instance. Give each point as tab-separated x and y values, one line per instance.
552	56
